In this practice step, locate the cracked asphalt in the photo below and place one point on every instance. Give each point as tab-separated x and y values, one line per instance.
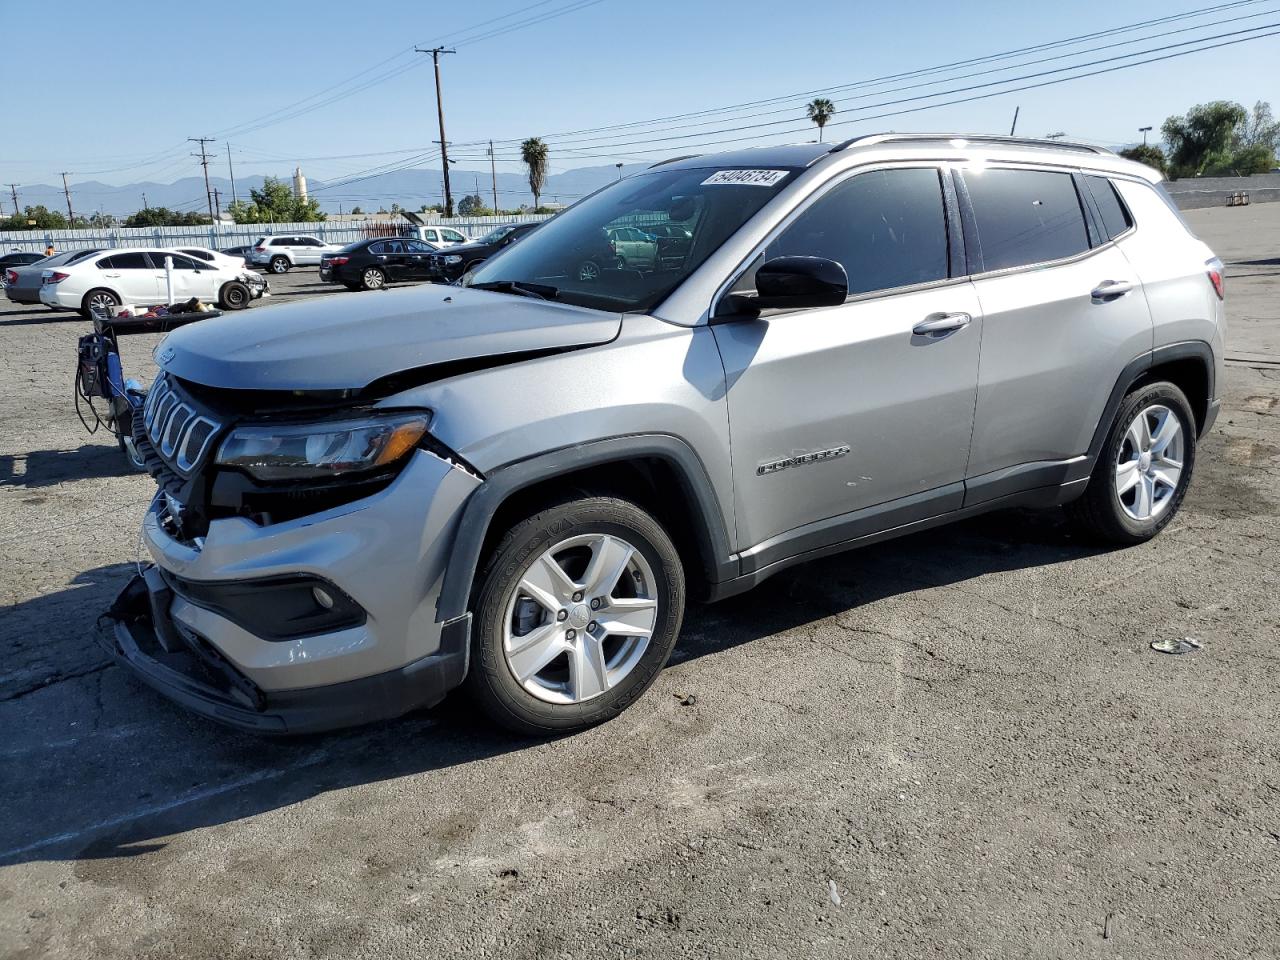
956	744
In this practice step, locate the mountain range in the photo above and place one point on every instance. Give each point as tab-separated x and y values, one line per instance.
409	188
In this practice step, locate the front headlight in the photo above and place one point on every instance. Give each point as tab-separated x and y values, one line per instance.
452	259
299	451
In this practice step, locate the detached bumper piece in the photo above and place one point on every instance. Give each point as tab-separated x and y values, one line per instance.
139	633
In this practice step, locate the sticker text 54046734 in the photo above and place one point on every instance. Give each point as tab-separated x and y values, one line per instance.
748	178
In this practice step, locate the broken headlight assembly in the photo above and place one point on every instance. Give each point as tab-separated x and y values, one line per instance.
323	449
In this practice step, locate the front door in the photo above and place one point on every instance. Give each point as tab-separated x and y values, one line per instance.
859	407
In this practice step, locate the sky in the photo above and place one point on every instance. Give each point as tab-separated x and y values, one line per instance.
113	94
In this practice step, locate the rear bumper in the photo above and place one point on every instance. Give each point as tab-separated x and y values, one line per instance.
195	677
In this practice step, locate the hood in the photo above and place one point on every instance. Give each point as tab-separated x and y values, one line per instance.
465	247
346	342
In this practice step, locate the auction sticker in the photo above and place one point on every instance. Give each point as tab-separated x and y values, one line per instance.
747	178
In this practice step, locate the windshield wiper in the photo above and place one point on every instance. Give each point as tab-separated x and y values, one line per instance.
539	291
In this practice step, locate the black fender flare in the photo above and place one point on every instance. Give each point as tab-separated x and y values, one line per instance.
498	485
1134	371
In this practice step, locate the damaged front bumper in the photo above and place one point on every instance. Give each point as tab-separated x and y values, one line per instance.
139	633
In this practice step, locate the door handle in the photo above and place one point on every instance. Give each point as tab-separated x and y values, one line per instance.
938	324
1109	290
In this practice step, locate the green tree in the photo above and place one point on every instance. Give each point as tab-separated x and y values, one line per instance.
820	110
1243	162
1260	128
534	154
472	205
1202	138
164	217
1149	154
43	217
275	203
356	210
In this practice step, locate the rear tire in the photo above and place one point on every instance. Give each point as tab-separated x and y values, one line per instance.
100	298
1143	470
234	295
372	278
581	664
280	264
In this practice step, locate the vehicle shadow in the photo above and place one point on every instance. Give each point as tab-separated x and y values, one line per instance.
101	767
48	468
30	316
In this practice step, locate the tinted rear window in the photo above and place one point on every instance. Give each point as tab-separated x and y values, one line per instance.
125	261
1115	218
1026	216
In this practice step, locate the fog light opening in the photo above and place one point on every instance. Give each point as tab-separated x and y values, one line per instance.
322	597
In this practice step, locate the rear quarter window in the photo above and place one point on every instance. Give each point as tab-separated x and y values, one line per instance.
1115	218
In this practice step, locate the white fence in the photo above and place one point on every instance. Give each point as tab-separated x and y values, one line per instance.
221	236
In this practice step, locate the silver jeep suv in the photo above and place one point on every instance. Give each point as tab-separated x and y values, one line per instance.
516	481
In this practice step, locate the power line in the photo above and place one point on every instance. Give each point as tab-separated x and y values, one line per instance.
1003	55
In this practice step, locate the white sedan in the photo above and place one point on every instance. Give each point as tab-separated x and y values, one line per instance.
131	277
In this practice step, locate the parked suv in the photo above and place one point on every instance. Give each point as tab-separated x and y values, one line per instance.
281	254
514	483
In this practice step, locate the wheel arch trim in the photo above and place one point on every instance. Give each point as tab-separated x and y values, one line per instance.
501	484
1138	367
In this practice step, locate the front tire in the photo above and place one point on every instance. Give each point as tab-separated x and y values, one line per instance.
234	296
577	611
280	264
1143	470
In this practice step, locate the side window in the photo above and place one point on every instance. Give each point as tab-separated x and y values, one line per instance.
1115	218
1025	216
887	228
179	262
416	246
453	235
130	261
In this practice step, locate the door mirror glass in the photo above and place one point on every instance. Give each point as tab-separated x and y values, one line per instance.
792	283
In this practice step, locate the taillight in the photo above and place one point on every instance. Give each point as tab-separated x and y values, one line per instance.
1216	278
337	261
56	277
260	249
11	276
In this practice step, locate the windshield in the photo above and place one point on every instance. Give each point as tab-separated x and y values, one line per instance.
628	246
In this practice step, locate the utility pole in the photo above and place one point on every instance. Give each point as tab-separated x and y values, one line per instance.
232	172
1144	131
144	202
217	203
619	166
1014	126
204	163
13	192
493	171
71	217
444	144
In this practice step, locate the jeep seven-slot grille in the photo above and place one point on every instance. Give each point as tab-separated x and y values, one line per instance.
179	433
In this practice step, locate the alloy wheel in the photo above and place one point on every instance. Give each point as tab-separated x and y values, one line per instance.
373	279
1149	462
580	619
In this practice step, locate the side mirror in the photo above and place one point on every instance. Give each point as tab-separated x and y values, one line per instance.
795	282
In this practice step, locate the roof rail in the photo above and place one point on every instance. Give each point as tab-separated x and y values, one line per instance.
871	139
683	156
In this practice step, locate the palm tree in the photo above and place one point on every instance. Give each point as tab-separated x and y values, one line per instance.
534	154
820	110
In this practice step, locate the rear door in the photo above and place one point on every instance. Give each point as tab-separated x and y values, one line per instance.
134	277
1063	313
839	410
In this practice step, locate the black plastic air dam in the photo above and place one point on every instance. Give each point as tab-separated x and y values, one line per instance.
127	631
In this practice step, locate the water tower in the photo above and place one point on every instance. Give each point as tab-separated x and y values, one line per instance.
299	184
